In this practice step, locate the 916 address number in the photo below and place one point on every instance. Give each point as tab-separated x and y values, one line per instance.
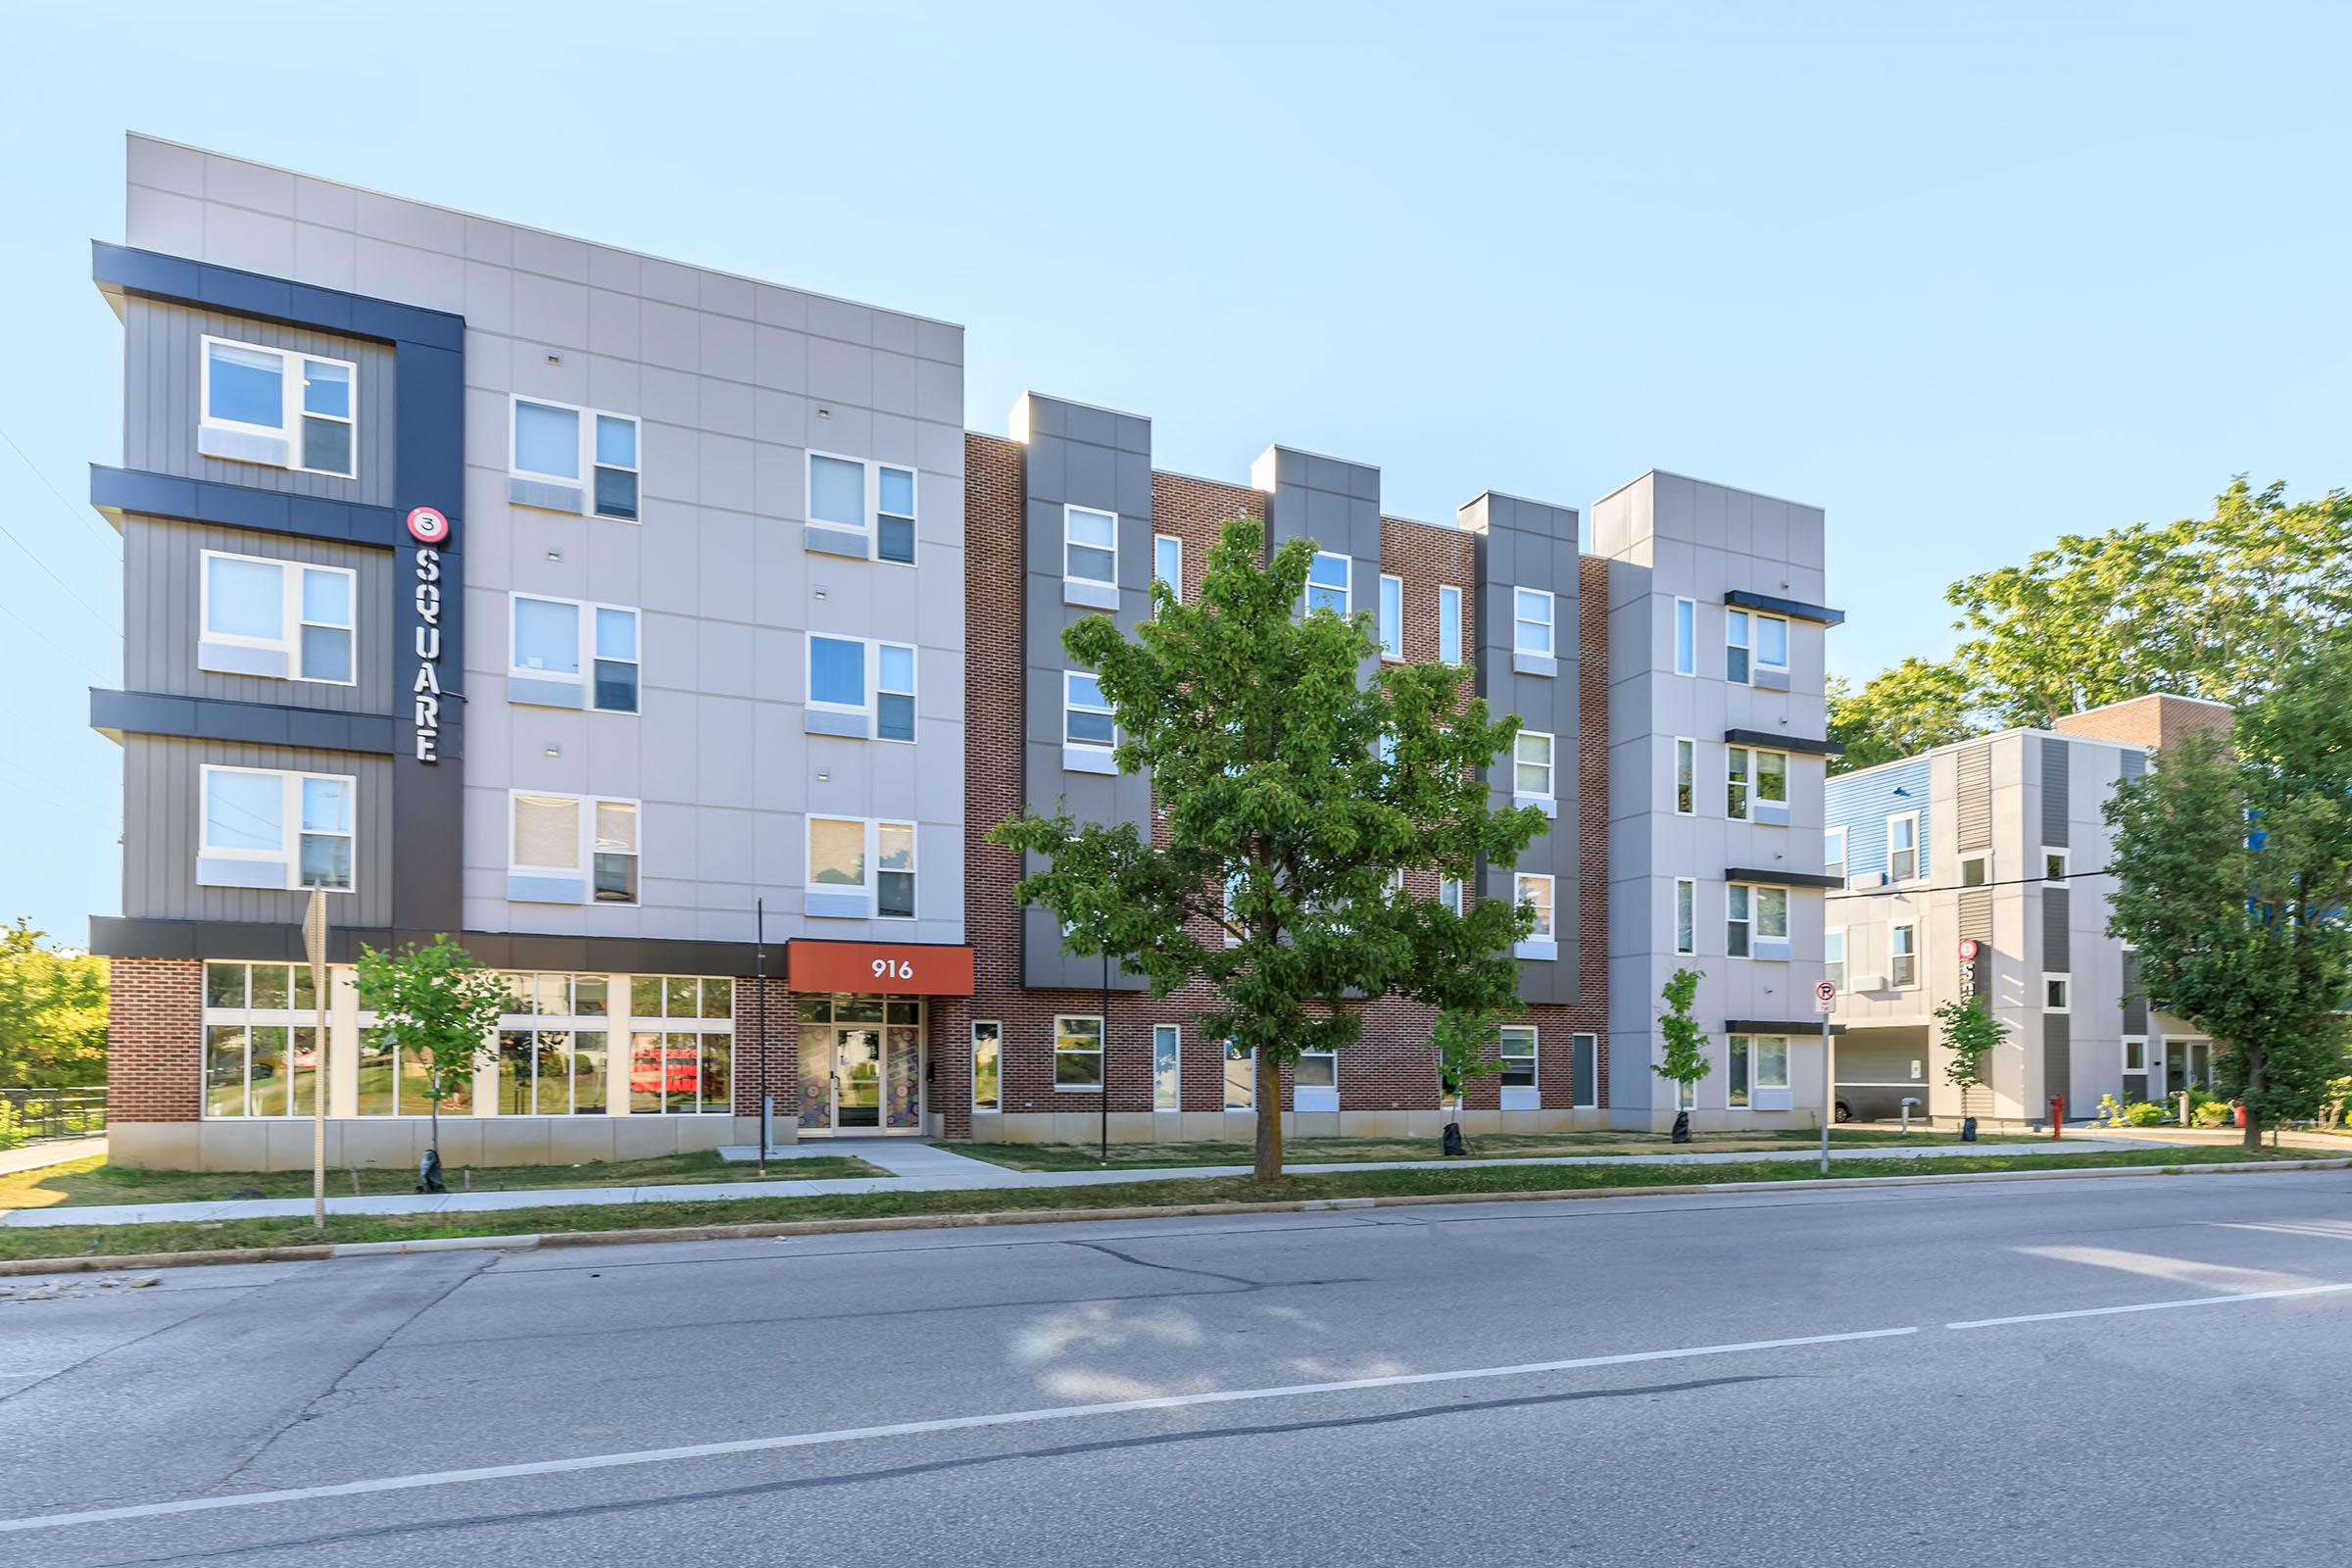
892	970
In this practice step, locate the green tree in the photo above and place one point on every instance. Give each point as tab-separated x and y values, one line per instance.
1902	711
1972	1034
52	1012
2233	868
1294	794
1684	1063
434	1003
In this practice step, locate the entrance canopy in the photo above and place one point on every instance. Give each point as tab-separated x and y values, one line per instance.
887	968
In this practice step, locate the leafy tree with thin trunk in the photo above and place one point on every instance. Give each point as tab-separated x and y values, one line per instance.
1295	796
52	1012
434	1003
1684	1061
1902	711
1972	1034
2232	861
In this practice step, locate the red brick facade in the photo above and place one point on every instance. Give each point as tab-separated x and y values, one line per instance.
155	1040
2155	721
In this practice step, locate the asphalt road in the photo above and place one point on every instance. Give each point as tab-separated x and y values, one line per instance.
1603	1381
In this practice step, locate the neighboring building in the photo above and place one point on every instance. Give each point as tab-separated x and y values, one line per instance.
1999	843
577	604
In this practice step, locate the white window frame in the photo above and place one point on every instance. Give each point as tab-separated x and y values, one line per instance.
1175	1036
583	866
1918	858
1756	660
585	640
1752	921
1686	637
1549	764
1521	619
1901	952
1739	782
1070	510
1532	1055
1449	649
1101	1041
1176	583
584	480
1449	894
1739	636
291	412
1392	625
1069	706
1981	859
1298	1087
1685	768
290	831
2066	865
870	860
1519	885
1832	964
2057	991
2135	1046
871	527
1225	1060
1838	860
290	615
870	681
1345	590
995	1038
1685	915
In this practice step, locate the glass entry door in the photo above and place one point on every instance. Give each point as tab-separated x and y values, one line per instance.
861	1065
857	1078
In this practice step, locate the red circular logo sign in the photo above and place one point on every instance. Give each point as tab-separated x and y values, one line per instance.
429	525
1968	948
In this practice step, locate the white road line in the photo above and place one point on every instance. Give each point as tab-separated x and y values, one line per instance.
2153	1307
961	1423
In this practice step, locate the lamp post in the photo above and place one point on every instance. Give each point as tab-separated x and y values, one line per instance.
313	943
767	1099
1103	1153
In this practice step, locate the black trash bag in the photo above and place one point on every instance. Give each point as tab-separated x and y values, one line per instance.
428	1173
1967	1131
1682	1126
1454	1139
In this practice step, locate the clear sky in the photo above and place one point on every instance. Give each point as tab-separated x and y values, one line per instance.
1968	281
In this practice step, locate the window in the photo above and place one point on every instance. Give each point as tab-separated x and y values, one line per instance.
561	835
1167	562
1737	637
553	1046
261	1040
1902	847
856	855
1752	642
2136	1055
1902	956
1317	1069
1450	624
1449	894
1754	914
1686	914
1533	889
1739	773
1587	1070
1757	1062
583	448
1518	1051
1531	632
1832	854
1772	1062
988	1066
1685	776
1392	617
1168	1082
561	638
681	1045
1330	583
2055	991
1772	643
842	669
298	617
1686	637
1772	777
1240	1077
1530	754
1974	873
1086	718
264	829
1077	1053
876	499
309	403
1090	545
1833	956
1739	1053
2054	865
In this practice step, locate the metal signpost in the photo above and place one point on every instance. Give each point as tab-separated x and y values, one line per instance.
314	947
1825	1002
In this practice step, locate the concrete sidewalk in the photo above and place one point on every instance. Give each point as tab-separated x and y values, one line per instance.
914	1168
40	1157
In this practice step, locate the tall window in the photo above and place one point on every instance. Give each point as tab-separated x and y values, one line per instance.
1518	1051
1531	631
560	638
1167	562
1685	776
1392	617
261	1040
1686	914
1738	776
681	1045
1686	637
1833	956
1738	1062
1535	889
1832	853
308	403
1738	645
554	1046
1330	583
1077	1053
1450	624
1090	546
1532	763
1449	894
893	692
1086	714
1240	1077
586	448
282	619
1902	956
1902	847
266	828
988	1044
1167	1081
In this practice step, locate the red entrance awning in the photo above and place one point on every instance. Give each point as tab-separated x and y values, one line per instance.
896	968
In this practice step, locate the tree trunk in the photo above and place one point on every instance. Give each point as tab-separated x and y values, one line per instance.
1268	1093
2255	1083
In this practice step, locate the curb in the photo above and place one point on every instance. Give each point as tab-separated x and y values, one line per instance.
758	1230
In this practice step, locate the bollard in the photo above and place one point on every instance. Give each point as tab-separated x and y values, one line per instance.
2057	1116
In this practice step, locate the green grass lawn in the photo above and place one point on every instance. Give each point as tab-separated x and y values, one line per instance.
1497	1180
1484	1145
94	1180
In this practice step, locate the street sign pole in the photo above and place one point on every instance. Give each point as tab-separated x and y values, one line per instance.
1825	1002
314	942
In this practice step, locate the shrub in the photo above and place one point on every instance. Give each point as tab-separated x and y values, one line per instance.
2212	1114
12	1126
2148	1113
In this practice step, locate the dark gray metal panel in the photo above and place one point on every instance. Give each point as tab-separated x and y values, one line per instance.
1533	544
1972	810
1085	457
2057	936
123	491
2057	1062
162	380
1770	879
164	617
2136	1088
2056	755
2136	1006
1793	608
256	723
162	809
1783	743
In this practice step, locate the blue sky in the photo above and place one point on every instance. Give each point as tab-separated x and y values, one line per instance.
1968	281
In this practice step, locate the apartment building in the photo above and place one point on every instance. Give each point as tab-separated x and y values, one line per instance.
1980	869
664	636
